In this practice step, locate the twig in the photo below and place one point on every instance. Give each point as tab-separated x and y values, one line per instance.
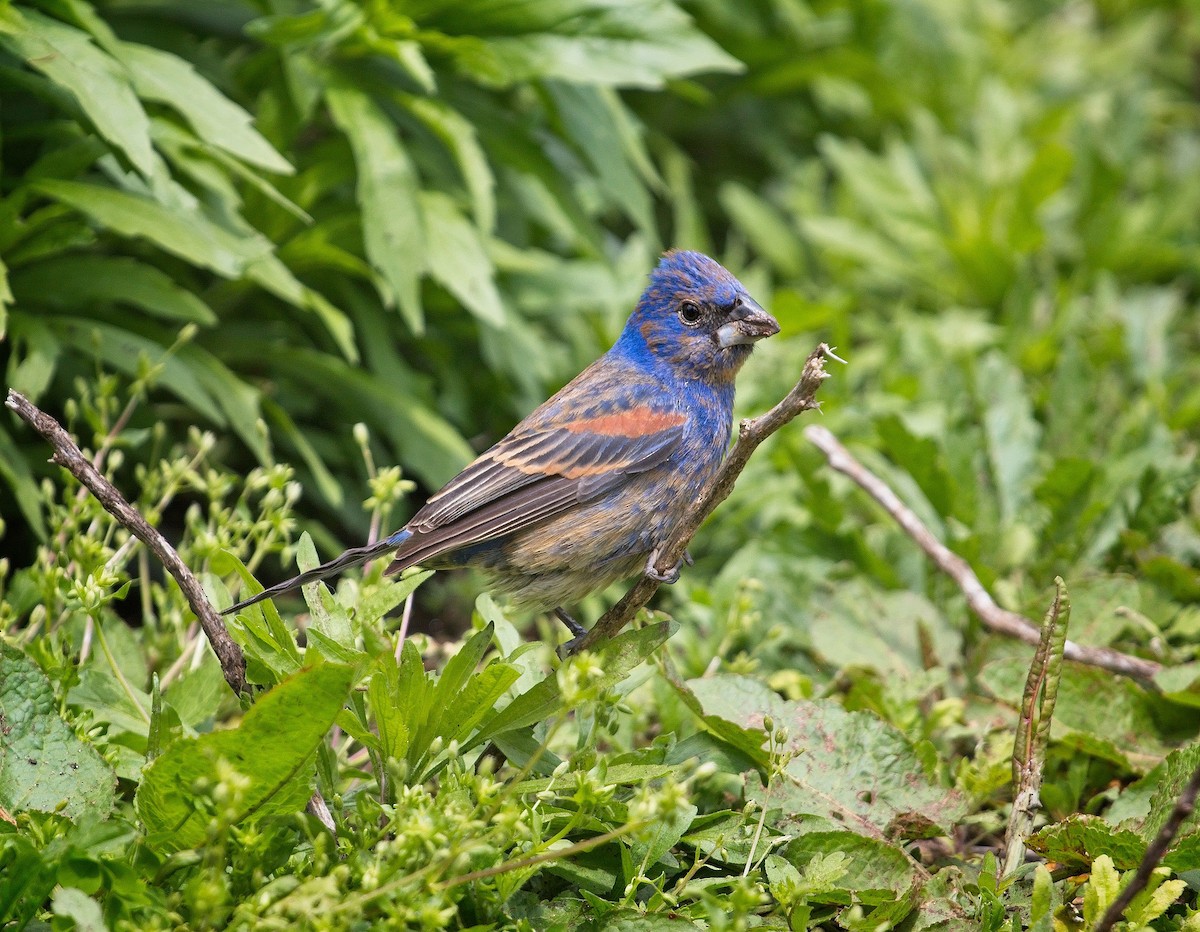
1184	806
998	619
68	455
1033	730
751	433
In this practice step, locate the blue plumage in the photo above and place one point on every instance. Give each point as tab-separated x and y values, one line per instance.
583	490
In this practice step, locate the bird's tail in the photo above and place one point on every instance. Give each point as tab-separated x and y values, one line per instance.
356	556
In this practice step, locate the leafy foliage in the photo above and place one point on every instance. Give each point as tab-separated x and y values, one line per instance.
340	234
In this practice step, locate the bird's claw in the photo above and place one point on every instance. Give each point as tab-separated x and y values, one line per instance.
671	576
572	625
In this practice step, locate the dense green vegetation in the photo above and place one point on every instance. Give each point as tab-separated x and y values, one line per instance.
281	266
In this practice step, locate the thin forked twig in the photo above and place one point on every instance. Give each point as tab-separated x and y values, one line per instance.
751	433
980	601
68	455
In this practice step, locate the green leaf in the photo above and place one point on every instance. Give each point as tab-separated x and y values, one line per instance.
76	281
15	469
458	134
187	234
1102	888
43	765
168	79
1096	713
272	749
1081	838
587	41
393	227
861	625
1010	429
458	260
874	871
867	775
68	57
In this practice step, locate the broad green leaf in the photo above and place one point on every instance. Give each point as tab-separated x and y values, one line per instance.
14	467
74	282
43	765
269	272
68	57
871	869
588	41
763	227
168	79
6	298
189	235
589	116
393	227
1011	431
458	134
860	625
867	776
458	260
271	749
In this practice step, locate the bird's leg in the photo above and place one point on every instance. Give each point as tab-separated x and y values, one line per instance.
671	576
572	625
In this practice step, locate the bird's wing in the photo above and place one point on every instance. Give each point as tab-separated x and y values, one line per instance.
543	467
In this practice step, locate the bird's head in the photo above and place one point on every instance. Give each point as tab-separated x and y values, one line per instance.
696	318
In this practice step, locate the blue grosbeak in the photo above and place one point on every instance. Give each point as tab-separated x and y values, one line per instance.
584	489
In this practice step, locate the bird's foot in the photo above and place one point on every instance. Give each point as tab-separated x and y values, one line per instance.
671	576
572	625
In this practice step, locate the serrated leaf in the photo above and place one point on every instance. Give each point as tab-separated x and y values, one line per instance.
393	228
272	749
43	765
1080	839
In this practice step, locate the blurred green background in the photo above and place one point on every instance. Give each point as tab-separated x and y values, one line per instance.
276	220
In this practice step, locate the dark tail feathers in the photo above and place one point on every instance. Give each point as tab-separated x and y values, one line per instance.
356	556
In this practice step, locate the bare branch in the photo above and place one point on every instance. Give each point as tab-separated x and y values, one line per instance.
1184	806
751	433
998	619
68	455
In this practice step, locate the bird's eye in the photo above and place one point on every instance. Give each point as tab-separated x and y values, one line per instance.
689	313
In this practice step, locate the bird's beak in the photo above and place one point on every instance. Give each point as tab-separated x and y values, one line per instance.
747	323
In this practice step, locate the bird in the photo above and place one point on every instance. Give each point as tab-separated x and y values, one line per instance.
585	490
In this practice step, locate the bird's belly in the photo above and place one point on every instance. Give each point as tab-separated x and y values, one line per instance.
561	560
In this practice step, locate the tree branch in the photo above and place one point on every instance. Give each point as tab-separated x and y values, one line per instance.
68	455
751	433
978	599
